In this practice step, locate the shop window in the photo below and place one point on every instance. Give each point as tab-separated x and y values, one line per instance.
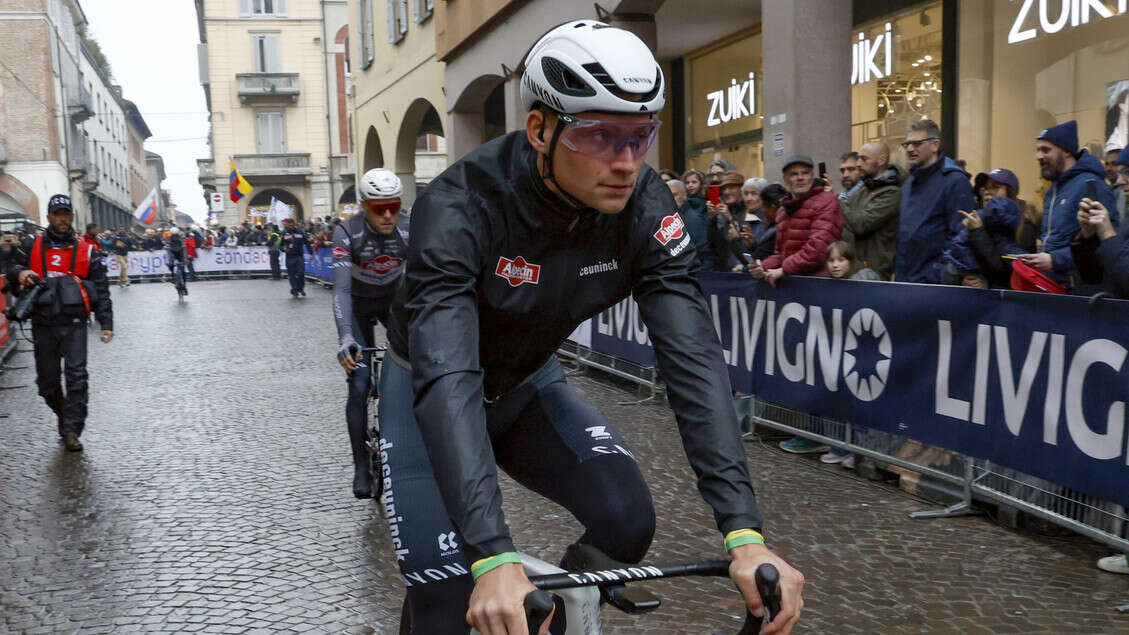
896	76
724	101
1023	69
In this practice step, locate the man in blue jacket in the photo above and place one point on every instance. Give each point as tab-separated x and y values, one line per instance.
932	196
1069	170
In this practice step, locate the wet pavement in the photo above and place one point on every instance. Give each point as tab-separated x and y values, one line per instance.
214	496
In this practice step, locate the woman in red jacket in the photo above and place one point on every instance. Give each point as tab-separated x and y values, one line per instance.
810	220
190	247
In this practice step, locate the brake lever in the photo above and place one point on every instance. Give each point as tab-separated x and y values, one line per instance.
538	606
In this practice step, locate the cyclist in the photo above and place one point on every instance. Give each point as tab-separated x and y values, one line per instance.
177	252
368	260
513	247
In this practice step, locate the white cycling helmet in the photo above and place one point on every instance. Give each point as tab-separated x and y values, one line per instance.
379	184
175	231
587	65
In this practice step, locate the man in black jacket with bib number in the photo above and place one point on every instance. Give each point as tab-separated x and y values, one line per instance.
76	286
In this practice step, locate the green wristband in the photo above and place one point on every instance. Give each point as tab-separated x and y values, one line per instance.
743	537
489	564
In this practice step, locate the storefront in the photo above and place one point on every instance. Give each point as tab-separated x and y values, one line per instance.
1030	64
896	74
723	102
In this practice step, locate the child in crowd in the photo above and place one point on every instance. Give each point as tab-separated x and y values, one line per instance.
841	264
978	255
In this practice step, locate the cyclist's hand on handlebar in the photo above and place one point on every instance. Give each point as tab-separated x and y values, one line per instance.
496	604
348	354
742	570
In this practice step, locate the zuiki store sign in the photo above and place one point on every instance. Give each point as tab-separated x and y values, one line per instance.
872	58
1052	16
735	102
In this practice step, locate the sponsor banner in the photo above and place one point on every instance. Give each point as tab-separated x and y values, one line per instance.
320	265
1034	382
147	263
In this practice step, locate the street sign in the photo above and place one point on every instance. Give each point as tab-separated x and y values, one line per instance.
217	201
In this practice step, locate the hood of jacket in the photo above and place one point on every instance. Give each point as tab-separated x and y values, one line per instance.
1087	164
894	175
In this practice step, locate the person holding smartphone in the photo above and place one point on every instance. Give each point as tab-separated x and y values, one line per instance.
1100	251
725	209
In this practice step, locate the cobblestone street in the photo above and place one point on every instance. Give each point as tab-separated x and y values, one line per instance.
214	495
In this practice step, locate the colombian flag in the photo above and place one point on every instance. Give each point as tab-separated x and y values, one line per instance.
239	185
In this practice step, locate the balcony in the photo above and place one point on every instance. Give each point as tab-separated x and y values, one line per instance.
283	167
345	166
80	105
262	88
90	179
207	171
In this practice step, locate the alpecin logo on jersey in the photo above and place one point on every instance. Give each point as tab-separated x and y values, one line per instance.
518	271
340	252
670	229
383	264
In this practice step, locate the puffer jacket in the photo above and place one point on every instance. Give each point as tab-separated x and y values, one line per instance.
1001	218
1060	211
929	221
872	219
805	226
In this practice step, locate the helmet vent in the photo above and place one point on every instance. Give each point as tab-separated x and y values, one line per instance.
564	80
601	75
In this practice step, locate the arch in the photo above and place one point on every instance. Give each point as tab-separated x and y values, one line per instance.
262	198
374	154
421	118
22	194
474	95
342	35
348	196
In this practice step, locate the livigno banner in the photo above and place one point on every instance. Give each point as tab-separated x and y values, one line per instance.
1031	381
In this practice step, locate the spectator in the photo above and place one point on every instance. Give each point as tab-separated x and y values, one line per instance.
722	216
666	175
1100	252
811	221
151	242
717	169
976	257
695	181
693	213
842	264
232	239
872	211
747	232
91	238
936	189
849	176
772	198
1069	170
190	250
120	245
1110	161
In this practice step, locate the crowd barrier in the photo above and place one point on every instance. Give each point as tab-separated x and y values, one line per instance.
1026	392
220	262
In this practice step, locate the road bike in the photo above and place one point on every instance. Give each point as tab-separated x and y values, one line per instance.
594	578
179	280
373	357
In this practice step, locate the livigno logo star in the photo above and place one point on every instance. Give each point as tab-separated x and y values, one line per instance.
870	386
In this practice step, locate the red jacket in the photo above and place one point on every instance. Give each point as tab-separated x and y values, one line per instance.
190	245
805	227
93	242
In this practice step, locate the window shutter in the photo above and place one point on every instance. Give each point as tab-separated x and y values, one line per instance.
244	8
392	21
417	10
271	46
280	7
403	17
368	41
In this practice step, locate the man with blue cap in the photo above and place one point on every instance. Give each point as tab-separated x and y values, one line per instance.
1069	170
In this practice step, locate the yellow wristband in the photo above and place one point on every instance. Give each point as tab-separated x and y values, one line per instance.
489	564
739	537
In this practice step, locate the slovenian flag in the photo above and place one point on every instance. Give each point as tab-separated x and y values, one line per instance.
239	185
147	211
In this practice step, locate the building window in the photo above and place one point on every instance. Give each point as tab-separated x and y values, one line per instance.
265	52
422	9
270	132
397	20
366	33
261	8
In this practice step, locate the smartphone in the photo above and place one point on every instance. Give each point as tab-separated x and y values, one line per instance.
1091	190
715	194
822	169
1010	257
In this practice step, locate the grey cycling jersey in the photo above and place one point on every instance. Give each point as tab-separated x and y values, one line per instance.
366	264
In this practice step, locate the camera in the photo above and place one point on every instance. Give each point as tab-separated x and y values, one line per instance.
20	311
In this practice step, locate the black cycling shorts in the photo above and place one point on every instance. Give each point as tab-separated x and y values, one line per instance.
546	438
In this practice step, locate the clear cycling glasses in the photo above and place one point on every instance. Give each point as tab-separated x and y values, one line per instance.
606	139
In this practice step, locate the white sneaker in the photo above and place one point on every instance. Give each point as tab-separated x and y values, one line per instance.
1115	564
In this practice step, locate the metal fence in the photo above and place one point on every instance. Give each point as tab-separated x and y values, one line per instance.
973	479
